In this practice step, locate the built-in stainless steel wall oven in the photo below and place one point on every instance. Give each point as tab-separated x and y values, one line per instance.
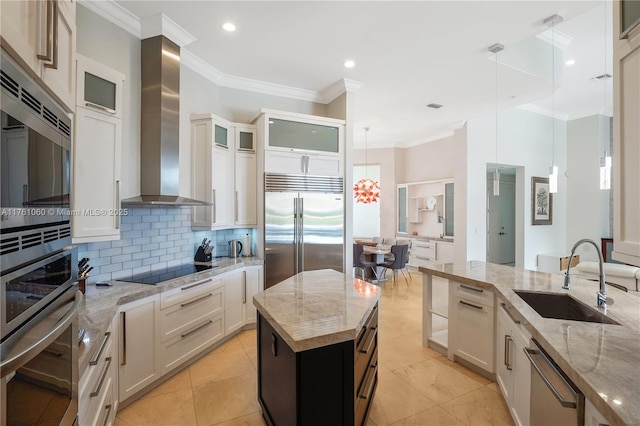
38	277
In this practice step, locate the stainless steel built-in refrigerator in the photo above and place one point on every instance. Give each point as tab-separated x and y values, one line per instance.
304	225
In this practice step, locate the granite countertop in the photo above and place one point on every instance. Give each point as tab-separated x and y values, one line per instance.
317	308
100	304
602	360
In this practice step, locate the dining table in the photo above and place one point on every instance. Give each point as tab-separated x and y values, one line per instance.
378	251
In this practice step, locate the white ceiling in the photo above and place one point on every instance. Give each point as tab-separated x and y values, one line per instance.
407	54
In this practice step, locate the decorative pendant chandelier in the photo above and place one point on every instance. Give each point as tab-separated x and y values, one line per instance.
553	170
366	190
496	174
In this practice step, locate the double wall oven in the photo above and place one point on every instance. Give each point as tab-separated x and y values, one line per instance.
38	291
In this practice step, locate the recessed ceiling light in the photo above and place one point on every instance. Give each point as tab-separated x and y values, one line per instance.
229	26
570	62
349	63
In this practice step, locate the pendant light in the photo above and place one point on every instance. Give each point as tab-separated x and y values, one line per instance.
553	170
605	160
495	48
366	190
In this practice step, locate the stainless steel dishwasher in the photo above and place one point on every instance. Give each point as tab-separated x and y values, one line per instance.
555	400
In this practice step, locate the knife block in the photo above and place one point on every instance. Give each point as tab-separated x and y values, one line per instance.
201	256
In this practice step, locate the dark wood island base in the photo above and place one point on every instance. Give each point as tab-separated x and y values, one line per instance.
329	385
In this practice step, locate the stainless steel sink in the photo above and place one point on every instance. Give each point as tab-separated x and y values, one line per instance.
562	306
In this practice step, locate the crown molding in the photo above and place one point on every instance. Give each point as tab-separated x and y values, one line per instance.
338	88
214	75
114	13
161	24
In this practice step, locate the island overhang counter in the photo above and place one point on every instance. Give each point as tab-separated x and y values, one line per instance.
317	349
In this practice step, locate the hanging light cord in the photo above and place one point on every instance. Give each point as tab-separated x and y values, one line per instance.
366	152
496	110
553	94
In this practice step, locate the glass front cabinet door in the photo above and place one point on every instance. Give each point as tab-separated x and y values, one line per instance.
402	209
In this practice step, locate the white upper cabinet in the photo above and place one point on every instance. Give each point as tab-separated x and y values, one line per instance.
41	35
626	148
98	135
303	144
223	172
246	179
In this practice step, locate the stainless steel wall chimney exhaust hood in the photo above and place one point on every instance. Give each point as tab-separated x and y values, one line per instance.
160	121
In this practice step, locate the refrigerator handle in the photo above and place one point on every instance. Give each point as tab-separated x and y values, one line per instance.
295	233
301	238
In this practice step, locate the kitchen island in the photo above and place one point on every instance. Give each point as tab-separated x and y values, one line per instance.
602	360
317	349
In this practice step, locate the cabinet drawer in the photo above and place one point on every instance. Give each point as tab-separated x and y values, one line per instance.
366	390
192	341
188	292
181	317
474	294
474	333
95	387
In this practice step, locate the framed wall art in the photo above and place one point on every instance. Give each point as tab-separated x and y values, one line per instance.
541	201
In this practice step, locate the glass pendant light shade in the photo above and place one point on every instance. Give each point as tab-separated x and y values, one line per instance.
605	172
553	179
366	190
496	183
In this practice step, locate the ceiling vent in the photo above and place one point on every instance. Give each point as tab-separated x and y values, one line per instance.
601	77
434	106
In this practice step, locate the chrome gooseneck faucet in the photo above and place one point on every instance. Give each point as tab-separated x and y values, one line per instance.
602	292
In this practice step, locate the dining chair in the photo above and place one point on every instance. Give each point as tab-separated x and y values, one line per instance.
399	261
360	263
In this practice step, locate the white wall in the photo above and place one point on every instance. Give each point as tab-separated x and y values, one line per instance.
587	204
524	139
430	161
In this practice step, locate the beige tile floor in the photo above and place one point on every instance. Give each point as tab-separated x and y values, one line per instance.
417	386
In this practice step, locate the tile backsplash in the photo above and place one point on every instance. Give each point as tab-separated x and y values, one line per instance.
153	239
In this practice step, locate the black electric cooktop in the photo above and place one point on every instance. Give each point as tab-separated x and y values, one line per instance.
161	275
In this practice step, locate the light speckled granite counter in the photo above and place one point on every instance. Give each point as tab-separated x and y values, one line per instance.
317	308
602	360
100	304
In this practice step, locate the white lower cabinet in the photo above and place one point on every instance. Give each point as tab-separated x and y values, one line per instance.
97	389
233	301
191	319
253	285
513	369
473	324
138	355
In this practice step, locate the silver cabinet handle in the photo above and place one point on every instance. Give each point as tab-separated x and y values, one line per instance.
535	353
47	54
118	205
422	258
54	37
471	305
476	289
196	329
104	375
515	321
507	351
302	163
307	167
213	198
106	418
94	361
244	290
235	208
196	284
123	315
191	302
100	107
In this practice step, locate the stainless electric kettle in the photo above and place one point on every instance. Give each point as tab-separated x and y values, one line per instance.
235	248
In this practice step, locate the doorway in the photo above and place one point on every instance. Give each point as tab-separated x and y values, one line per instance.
501	219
